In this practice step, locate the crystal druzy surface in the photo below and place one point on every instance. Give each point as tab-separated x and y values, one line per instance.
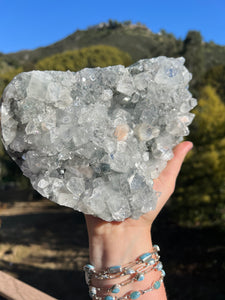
94	140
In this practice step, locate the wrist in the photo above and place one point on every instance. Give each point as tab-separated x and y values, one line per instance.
113	244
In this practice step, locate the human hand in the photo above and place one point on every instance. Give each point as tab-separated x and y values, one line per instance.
164	184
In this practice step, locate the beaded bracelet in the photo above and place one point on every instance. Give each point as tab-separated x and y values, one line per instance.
145	263
139	275
134	294
148	258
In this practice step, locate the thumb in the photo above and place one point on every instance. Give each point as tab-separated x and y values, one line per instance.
173	166
165	183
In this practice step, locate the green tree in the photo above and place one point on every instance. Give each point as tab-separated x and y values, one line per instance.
127	23
10	172
93	56
194	55
166	44
113	24
6	77
200	193
216	78
210	118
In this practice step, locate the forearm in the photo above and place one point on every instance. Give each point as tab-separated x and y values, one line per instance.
117	245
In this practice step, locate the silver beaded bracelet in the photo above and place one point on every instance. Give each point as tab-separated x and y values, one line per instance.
133	294
138	275
112	272
144	264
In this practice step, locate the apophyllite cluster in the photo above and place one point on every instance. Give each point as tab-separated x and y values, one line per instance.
94	140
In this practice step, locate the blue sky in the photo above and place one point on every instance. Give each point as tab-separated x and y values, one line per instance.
28	24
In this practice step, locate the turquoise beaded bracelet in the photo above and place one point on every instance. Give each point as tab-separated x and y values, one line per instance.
138	275
136	294
148	258
136	270
133	294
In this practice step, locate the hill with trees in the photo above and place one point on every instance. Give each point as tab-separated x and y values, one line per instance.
135	39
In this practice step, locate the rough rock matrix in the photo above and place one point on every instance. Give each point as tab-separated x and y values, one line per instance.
94	140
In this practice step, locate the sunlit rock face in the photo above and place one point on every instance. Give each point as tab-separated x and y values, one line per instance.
94	140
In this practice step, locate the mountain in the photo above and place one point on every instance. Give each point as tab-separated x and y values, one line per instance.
136	39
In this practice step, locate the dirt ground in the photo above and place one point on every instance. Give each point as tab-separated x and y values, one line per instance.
46	245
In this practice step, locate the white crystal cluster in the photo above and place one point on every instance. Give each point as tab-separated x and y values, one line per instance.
94	140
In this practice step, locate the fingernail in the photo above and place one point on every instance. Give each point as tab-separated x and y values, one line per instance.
191	146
